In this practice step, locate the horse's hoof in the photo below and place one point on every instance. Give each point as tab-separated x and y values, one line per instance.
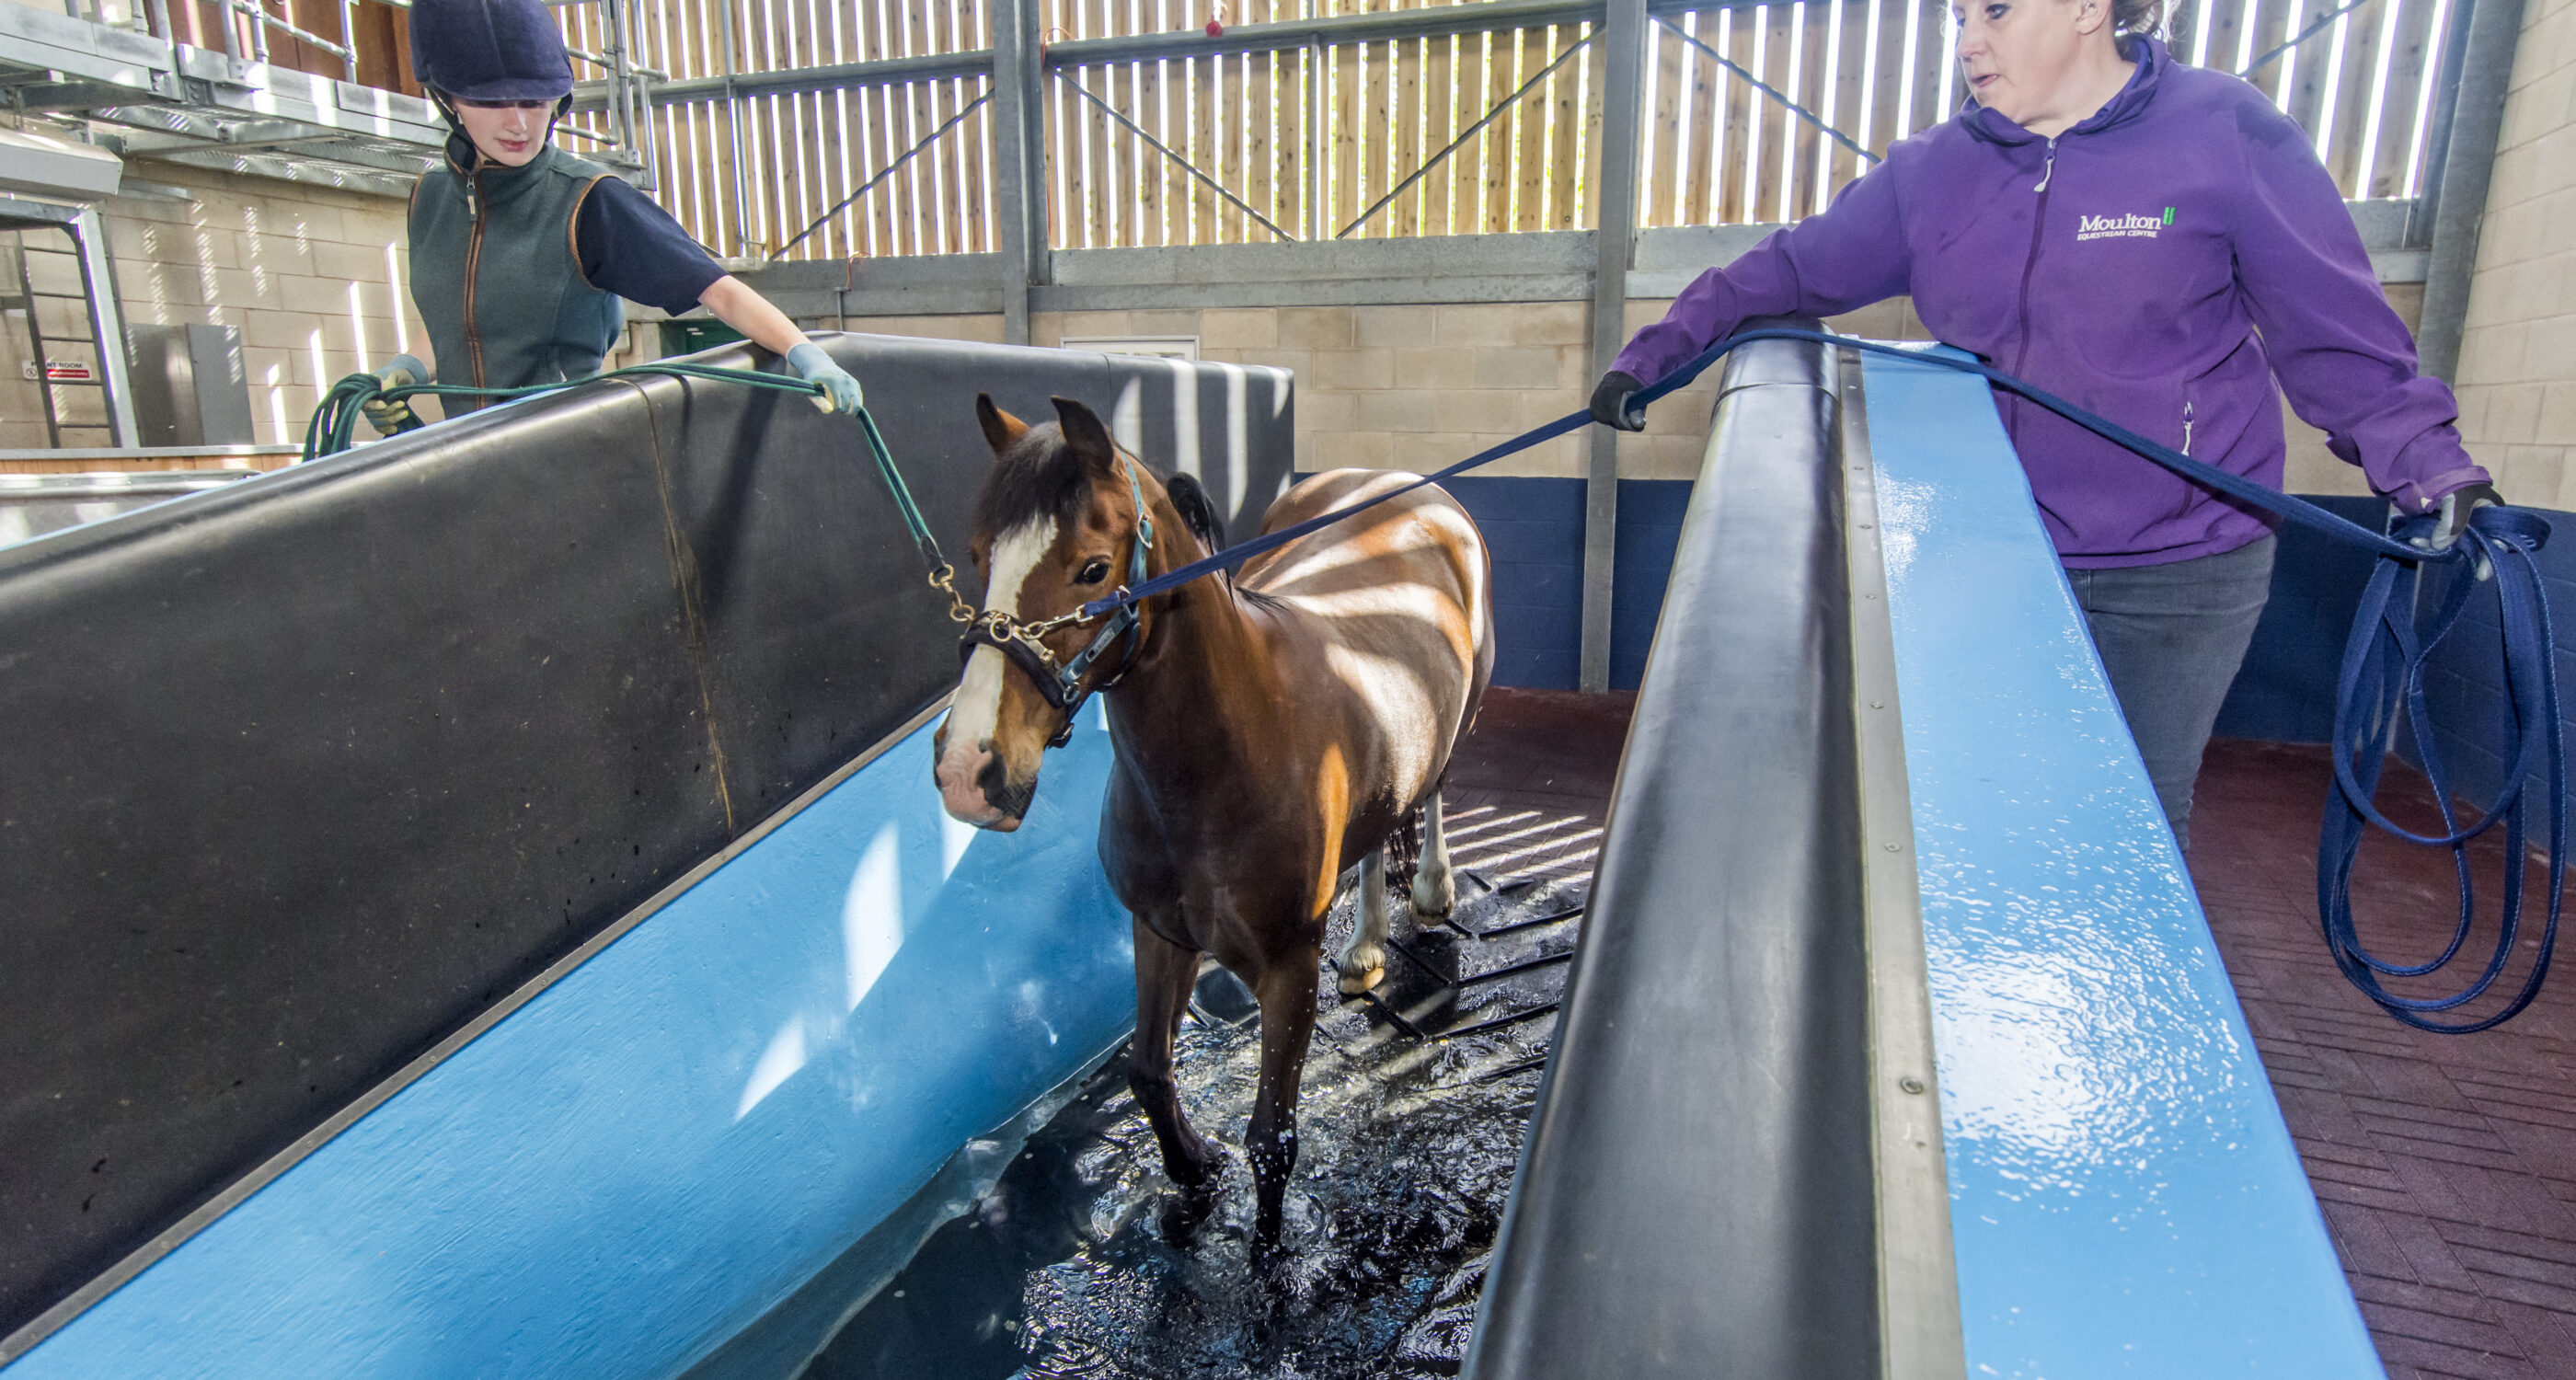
1435	902
1354	984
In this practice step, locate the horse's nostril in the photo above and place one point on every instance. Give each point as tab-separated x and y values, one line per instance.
999	793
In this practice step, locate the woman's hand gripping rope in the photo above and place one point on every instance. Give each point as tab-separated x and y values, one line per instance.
840	392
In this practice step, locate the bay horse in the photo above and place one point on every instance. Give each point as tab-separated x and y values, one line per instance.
1271	730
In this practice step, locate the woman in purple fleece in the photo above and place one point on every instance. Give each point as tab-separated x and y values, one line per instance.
2156	243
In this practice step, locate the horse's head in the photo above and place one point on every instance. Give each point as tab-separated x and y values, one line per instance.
1056	525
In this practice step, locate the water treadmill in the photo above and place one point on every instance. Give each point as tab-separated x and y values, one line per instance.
479	908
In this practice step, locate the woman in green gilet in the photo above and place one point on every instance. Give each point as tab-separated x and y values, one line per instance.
520	251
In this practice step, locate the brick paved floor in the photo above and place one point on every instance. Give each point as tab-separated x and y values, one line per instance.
2446	1165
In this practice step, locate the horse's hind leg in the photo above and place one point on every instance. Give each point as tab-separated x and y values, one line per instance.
1287	993
1435	886
1165	975
1363	963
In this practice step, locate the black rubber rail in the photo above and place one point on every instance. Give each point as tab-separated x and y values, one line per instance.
1696	1196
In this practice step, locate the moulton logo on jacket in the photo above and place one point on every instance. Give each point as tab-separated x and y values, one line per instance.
2116	227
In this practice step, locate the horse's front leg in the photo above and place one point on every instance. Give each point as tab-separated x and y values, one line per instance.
1363	962
1287	993
1435	886
1165	975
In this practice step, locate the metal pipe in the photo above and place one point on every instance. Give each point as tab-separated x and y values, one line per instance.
2468	165
621	112
1615	234
349	40
602	60
106	322
266	21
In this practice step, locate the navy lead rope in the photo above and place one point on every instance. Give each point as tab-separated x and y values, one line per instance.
2383	673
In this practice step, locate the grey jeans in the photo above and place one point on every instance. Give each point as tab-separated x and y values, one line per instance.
2171	638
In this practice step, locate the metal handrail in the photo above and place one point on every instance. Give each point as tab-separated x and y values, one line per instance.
346	49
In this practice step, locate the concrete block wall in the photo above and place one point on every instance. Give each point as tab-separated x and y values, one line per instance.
2517	376
1418	387
312	276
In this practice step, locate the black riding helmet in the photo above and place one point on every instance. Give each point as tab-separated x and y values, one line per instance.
487	50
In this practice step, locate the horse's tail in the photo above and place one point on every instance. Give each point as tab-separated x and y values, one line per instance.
1196	508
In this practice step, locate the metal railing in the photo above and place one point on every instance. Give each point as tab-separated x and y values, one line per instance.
261	21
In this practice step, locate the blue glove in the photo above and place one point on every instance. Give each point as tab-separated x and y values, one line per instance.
840	391
395	417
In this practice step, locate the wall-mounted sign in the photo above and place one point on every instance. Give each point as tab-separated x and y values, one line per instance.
59	371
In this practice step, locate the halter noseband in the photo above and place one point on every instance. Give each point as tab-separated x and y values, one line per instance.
1020	642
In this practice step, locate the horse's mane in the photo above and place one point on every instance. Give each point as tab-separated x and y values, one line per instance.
1197	509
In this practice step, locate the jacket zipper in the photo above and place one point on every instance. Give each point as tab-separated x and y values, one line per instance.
2038	228
2186	429
473	259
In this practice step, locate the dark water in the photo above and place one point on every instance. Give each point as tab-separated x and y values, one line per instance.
1080	1263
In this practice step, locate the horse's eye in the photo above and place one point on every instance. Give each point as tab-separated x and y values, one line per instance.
1094	573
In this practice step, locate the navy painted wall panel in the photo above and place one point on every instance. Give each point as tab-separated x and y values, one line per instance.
2285	692
1650	531
1534	528
2465	687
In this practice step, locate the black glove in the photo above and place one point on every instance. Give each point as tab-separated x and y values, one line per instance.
1610	405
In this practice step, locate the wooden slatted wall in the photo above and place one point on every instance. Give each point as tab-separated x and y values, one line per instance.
1309	144
748	175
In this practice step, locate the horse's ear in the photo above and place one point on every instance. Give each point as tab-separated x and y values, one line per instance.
1086	437
1000	428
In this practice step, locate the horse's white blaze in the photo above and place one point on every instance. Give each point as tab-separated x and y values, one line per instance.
978	706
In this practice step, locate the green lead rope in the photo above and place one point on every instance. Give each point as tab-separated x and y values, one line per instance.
335	423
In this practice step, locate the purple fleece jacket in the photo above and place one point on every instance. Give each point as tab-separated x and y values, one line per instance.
2157	263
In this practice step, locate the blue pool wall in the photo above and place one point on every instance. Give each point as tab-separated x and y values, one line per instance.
709	1111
